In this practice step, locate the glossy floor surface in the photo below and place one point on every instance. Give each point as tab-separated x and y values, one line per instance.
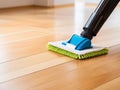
24	35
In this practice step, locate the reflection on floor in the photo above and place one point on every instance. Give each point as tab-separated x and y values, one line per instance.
24	35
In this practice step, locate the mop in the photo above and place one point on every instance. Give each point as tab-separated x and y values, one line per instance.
80	46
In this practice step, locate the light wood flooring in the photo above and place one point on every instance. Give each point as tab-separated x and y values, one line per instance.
24	33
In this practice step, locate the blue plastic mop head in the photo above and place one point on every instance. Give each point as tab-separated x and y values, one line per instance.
77	47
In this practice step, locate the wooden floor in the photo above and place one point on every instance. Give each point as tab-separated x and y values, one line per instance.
24	35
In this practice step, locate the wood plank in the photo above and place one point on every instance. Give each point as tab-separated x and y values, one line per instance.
111	85
75	75
29	29
21	67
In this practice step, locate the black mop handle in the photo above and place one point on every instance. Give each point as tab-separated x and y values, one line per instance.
98	18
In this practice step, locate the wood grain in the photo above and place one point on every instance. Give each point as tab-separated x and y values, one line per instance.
24	34
111	85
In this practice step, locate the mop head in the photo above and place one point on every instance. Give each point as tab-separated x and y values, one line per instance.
77	48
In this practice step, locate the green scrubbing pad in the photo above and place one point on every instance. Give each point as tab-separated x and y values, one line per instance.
76	54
